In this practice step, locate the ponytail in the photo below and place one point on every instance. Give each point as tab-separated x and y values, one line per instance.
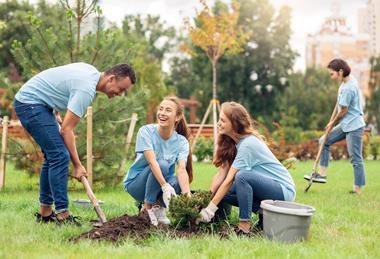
182	129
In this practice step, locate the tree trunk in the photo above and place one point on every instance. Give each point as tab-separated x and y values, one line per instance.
215	118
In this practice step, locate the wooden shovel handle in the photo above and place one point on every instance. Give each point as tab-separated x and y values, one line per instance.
326	134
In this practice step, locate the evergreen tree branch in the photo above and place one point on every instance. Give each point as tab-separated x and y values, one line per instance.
90	8
49	52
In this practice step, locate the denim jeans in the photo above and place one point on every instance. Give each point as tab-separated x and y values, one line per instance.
145	188
42	125
354	146
249	189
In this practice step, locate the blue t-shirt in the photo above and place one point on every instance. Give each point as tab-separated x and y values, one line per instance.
254	155
69	87
172	150
349	96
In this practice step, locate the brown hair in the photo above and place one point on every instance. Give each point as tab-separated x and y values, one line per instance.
242	125
338	64
182	129
122	71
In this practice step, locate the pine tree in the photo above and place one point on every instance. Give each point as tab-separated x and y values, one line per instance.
65	42
183	210
373	101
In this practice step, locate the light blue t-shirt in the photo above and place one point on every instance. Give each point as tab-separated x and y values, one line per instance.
349	96
69	87
254	155
172	150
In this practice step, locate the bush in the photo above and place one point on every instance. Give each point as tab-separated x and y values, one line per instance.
290	134
311	135
204	148
375	147
366	145
183	210
339	150
306	151
25	154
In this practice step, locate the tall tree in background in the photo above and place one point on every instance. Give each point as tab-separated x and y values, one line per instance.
14	27
255	77
373	101
308	101
216	34
159	38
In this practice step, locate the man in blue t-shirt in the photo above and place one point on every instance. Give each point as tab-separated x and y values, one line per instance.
69	88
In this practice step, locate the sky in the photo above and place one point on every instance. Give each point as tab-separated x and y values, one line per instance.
307	16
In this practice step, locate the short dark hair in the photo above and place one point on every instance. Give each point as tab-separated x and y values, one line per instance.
338	64
121	71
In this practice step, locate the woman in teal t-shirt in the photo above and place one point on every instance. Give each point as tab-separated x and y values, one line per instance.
248	171
158	148
350	125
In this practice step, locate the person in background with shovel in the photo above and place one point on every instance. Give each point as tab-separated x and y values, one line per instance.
351	125
159	147
69	88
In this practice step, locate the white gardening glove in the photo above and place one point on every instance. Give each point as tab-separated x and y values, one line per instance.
207	213
167	193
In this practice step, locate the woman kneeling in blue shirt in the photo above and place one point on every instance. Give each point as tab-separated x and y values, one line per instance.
158	148
248	171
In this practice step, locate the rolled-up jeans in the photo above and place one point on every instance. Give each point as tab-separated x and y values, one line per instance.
249	189
145	187
39	120
354	147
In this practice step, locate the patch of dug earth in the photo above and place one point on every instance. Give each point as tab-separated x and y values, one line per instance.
135	226
139	227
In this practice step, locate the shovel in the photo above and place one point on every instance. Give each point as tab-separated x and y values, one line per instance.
94	201
315	167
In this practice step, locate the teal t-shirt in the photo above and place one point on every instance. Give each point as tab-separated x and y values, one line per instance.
255	156
172	150
69	87
349	96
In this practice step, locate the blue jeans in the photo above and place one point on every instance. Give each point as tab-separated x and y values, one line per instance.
354	146
42	125
145	188
249	189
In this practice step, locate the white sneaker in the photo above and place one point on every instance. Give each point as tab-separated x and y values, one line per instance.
160	214
152	217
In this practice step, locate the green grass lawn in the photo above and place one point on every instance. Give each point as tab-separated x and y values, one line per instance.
344	226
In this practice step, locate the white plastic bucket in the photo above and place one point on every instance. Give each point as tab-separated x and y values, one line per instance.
286	221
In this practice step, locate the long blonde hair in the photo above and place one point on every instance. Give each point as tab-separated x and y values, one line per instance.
182	129
242	125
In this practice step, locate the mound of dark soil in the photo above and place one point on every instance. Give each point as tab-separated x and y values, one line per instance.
139	227
117	228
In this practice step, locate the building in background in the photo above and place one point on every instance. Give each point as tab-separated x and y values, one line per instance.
369	23
336	40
